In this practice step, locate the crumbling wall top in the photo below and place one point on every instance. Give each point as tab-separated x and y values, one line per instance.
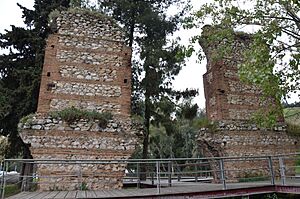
87	23
223	45
227	97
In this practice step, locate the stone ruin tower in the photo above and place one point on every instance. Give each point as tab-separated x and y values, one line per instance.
230	104
87	66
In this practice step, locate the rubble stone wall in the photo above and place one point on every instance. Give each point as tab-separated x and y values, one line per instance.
87	66
232	98
247	143
230	105
86	59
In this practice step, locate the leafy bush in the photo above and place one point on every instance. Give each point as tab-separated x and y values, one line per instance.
205	123
293	129
27	119
11	190
73	114
3	147
292	115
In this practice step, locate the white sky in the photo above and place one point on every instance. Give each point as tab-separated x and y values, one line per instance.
189	77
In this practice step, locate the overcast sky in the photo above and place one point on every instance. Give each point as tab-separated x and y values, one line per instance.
189	77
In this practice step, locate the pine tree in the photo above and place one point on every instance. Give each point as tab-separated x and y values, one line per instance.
157	59
20	69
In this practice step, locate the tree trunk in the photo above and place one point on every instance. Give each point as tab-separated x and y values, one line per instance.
131	31
146	136
26	171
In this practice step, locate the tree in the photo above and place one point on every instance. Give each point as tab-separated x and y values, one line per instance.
20	69
157	60
174	135
273	57
3	148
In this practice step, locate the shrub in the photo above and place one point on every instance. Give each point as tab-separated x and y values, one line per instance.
205	123
27	119
293	129
3	147
73	114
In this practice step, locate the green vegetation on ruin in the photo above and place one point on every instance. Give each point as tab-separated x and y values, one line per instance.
292	115
27	119
292	118
73	114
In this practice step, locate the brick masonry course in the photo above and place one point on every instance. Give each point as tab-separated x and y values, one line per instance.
230	105
87	66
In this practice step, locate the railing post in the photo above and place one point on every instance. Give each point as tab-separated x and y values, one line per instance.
158	176
80	177
169	174
179	174
152	178
5	170
282	171
138	184
1	180
222	173
271	170
196	172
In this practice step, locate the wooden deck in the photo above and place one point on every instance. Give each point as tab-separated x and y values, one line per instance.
201	190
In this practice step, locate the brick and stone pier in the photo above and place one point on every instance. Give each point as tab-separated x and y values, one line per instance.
87	66
230	104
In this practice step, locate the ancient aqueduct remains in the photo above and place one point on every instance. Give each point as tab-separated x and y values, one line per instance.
88	66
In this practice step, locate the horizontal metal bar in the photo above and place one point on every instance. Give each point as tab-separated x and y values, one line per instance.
149	160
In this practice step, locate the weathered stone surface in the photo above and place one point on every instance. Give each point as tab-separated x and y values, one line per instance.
230	105
87	66
227	97
83	23
105	106
88	58
73	88
98	74
239	142
90	43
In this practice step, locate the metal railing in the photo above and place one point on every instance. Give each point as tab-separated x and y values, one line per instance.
156	173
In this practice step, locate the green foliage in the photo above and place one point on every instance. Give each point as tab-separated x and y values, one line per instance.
292	118
84	186
271	196
292	115
295	104
181	143
21	69
293	129
203	122
189	111
3	147
73	114
157	60
266	119
53	15
272	60
174	137
11	190
27	119
82	4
